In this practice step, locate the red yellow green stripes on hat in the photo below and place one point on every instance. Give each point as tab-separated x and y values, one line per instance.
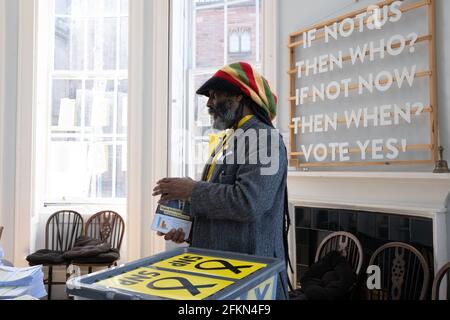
252	84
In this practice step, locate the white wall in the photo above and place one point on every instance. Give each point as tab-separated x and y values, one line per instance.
154	118
2	93
297	14
2	89
9	23
443	56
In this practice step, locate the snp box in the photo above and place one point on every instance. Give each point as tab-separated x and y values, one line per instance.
184	274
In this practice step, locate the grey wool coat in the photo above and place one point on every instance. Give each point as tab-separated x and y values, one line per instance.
241	210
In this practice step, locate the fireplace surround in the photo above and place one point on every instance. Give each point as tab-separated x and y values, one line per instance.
377	207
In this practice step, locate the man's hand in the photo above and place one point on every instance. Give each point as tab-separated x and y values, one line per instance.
174	189
176	236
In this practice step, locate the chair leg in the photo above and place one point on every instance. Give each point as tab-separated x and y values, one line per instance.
49	282
67	278
67	272
90	269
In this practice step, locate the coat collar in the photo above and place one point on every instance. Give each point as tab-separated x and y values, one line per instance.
249	124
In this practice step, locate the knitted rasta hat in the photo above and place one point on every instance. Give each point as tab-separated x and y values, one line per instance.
242	78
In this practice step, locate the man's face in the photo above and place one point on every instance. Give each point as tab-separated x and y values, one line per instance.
223	108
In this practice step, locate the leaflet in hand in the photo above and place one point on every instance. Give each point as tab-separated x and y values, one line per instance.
170	216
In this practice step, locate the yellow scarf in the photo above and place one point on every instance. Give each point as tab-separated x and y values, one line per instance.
214	139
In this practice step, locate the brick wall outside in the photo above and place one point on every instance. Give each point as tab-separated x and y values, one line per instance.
210	34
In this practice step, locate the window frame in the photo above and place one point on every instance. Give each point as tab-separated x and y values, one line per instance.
24	213
147	127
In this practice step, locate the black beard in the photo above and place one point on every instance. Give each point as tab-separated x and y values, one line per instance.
223	115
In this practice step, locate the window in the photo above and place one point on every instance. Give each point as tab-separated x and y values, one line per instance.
87	123
207	34
240	41
235	43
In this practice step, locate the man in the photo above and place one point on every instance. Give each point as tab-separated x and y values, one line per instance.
241	203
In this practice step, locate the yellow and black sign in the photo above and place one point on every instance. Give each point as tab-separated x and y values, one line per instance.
212	266
166	284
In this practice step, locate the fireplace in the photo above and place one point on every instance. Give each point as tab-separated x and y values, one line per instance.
373	230
376	207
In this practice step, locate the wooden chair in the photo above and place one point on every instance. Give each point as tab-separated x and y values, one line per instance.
347	244
61	231
107	226
444	271
404	273
349	247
